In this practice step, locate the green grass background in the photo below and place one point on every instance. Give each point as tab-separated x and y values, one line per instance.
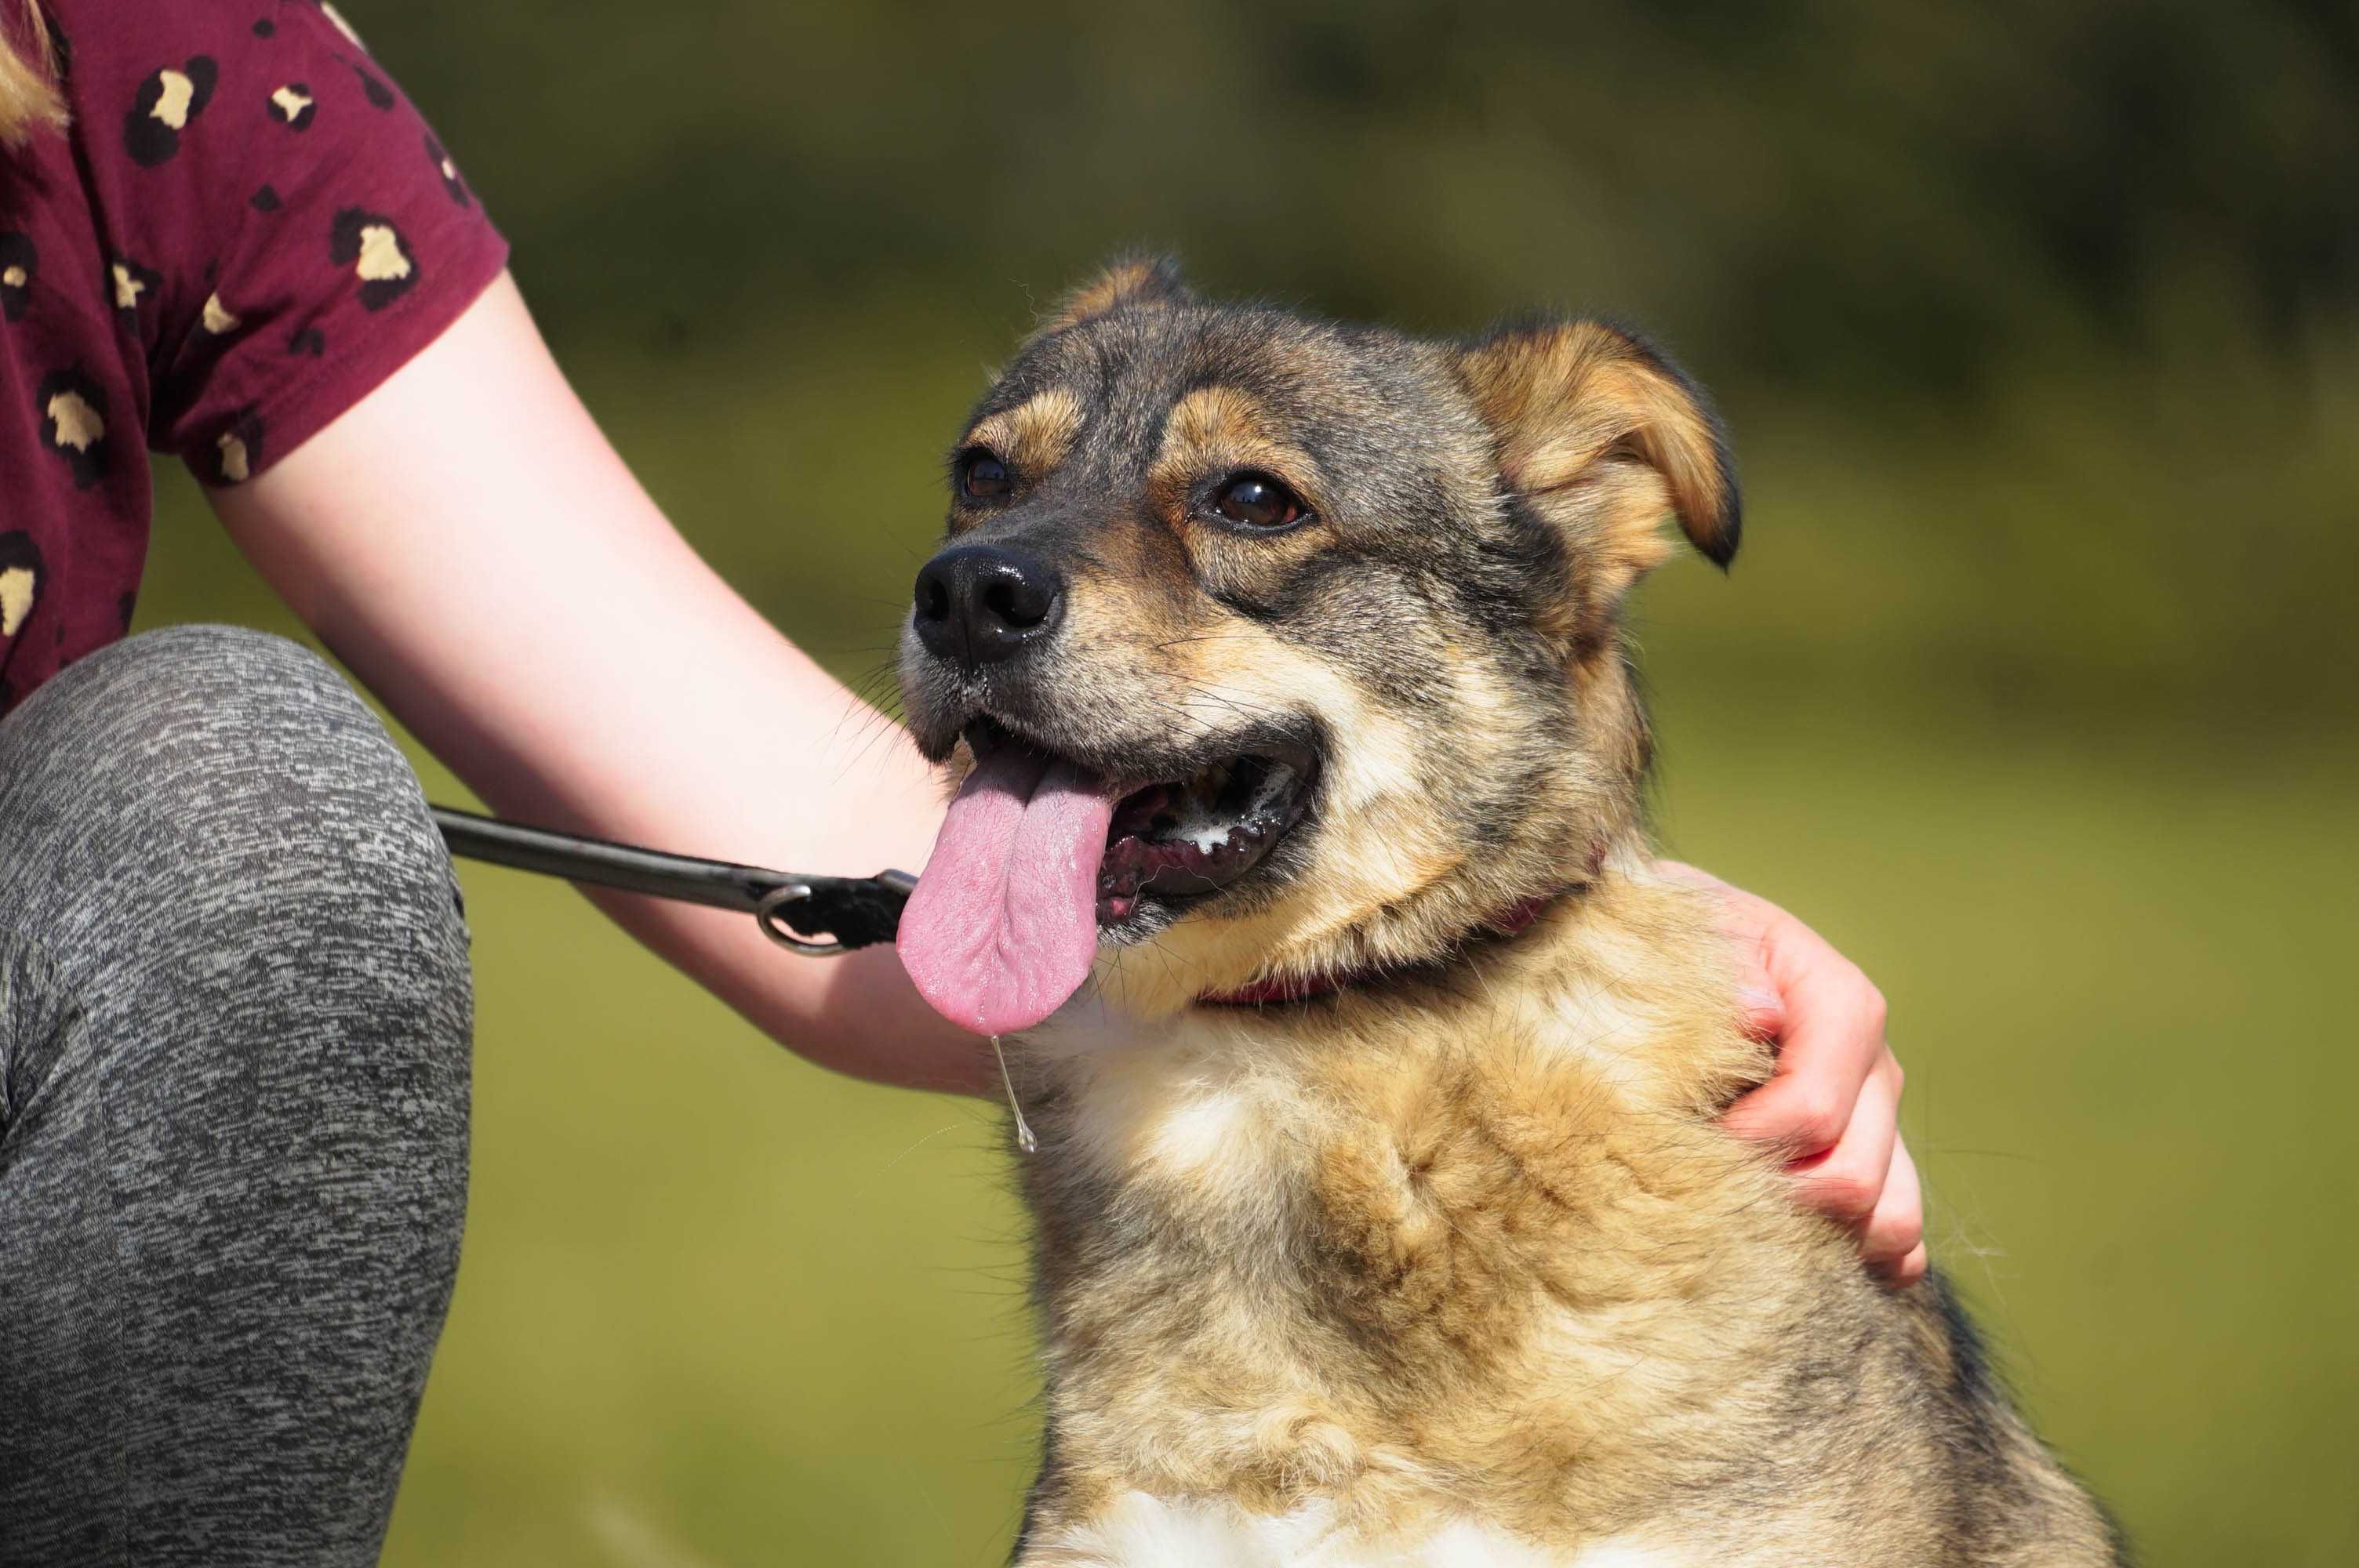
2032	689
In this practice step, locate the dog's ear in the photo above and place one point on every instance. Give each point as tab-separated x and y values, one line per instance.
1598	431
1127	283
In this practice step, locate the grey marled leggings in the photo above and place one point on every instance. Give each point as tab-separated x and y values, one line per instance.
234	1013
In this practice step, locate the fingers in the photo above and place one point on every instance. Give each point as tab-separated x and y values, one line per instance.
1834	1098
1831	1040
1764	1009
1850	1183
1892	1243
1826	1016
1869	1183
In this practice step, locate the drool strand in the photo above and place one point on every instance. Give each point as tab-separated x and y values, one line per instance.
1024	1139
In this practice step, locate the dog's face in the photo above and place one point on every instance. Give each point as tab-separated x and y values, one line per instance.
1329	614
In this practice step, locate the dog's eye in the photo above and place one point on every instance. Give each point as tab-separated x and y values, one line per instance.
1258	502
982	477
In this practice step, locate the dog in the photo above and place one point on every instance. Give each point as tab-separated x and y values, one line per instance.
1298	860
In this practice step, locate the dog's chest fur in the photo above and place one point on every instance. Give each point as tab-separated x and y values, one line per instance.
1430	1280
1142	1531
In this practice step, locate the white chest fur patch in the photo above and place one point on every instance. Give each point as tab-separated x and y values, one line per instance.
1141	1532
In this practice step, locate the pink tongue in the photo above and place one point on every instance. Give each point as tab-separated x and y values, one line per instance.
1003	924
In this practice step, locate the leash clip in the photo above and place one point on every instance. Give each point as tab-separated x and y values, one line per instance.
892	886
766	915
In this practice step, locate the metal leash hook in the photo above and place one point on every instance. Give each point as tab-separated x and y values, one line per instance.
766	915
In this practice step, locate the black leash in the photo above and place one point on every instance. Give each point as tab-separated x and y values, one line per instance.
791	908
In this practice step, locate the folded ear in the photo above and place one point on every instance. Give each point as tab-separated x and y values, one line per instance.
1602	434
1128	282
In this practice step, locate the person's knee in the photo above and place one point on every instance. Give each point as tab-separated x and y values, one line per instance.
219	756
200	785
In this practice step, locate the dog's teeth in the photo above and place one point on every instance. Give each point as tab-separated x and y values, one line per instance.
1206	832
1274	786
1196	821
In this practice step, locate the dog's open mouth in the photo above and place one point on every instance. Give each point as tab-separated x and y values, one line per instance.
1177	841
1041	857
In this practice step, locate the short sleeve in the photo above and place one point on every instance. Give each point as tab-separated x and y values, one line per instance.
293	231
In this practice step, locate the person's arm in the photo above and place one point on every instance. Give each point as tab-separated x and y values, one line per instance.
467	542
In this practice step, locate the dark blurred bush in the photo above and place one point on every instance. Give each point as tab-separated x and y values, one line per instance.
2062	297
1875	197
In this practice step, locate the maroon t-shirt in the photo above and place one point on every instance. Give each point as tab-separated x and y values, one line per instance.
248	229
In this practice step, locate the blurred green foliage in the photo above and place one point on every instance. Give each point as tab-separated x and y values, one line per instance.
2038	326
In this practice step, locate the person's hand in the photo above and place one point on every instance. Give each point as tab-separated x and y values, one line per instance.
1835	1098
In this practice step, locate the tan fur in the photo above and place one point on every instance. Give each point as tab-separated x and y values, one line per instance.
1490	1187
1219	428
1033	438
1605	442
1133	284
1468	1252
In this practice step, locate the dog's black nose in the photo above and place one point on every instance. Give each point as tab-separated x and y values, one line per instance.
979	604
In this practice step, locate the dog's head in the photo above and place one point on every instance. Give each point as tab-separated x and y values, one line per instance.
1276	647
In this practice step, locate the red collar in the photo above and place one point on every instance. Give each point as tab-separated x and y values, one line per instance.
1304	987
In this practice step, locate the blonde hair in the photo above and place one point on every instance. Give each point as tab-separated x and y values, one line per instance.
29	99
